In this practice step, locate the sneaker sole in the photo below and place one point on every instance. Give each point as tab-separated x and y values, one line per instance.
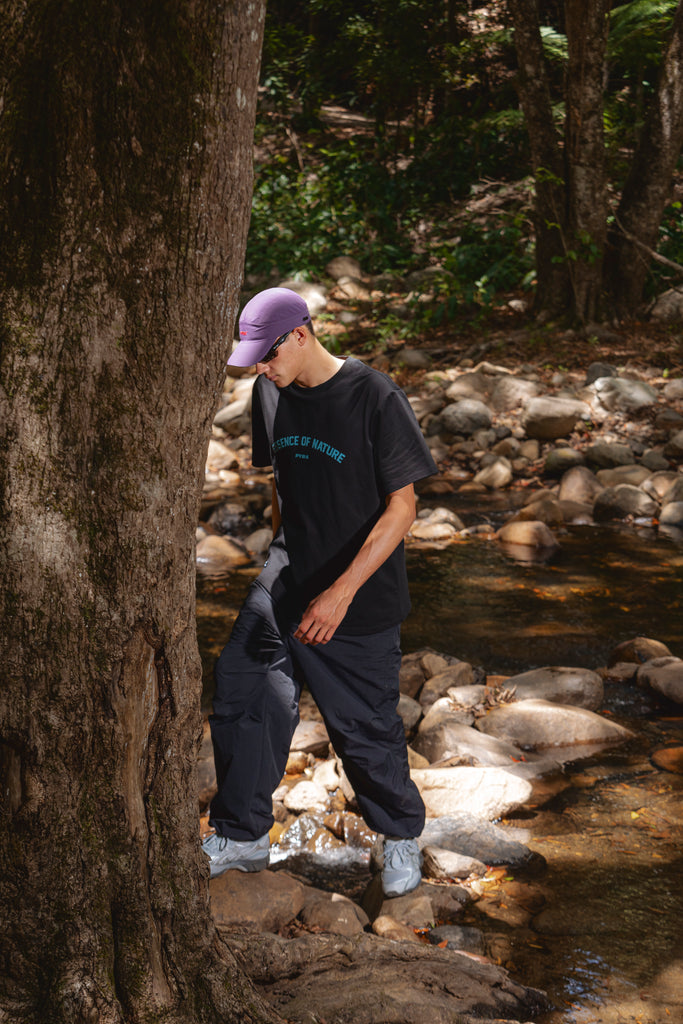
252	865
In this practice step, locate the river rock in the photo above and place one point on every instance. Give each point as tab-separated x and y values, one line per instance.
216	555
674	492
545	510
623	501
579	484
672	514
388	928
665	675
445	864
511	392
496	475
410	711
559	461
546	419
638	650
306	796
474	385
465	417
443	734
460	674
674	447
312	738
659	484
330	912
467	834
597	370
432	531
532	534
487	792
219	456
262	901
541	725
619	394
634	475
313	293
607	455
574	686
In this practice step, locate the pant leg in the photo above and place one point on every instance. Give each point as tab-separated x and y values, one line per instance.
354	682
255	713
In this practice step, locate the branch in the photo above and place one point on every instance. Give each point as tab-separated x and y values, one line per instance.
646	248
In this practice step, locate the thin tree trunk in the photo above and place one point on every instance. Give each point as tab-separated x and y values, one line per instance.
125	180
587	29
553	283
648	187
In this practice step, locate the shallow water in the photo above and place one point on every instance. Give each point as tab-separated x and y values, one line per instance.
608	946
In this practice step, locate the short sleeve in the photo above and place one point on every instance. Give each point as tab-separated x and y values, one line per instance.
401	452
260	446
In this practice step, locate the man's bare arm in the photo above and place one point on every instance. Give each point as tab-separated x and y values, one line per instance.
326	611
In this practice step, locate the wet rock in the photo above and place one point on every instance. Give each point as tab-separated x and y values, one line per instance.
623	501
669	758
474	837
665	676
487	792
263	901
501	908
216	555
327	776
607	455
577	686
432	531
444	864
618	394
541	725
547	419
465	417
638	650
545	510
297	762
530	534
455	936
332	913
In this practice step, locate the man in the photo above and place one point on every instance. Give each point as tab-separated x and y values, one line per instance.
326	609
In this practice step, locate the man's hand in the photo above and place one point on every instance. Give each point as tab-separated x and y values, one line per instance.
323	615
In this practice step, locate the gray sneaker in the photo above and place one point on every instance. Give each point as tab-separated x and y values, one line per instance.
227	854
402	862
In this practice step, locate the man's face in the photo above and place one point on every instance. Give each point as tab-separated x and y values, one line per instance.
284	365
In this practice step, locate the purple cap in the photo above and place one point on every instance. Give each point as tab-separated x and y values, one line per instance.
264	319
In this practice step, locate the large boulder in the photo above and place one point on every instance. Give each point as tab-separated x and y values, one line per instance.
466	417
665	675
623	501
542	725
576	686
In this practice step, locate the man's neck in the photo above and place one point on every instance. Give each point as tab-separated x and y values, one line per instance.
320	367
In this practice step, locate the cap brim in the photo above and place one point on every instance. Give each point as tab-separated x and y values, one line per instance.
248	353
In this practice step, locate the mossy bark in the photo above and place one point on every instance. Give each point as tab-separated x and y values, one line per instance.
125	181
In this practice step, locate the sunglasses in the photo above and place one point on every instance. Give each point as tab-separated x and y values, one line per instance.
272	352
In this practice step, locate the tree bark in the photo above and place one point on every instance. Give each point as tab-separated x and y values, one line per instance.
587	29
553	289
125	181
648	186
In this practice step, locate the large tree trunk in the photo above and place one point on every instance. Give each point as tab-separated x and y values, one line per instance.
587	28
125	179
648	187
550	220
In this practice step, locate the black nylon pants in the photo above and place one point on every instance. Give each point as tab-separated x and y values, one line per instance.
354	682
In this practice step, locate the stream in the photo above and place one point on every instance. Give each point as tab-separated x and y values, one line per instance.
605	939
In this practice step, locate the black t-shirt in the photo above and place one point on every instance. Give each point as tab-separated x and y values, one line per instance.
337	451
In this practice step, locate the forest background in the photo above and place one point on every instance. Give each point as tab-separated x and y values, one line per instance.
521	149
